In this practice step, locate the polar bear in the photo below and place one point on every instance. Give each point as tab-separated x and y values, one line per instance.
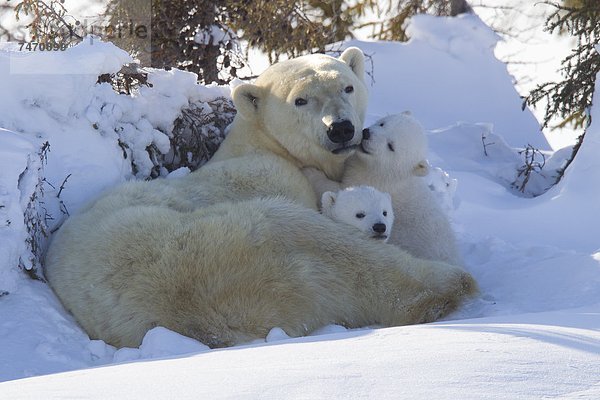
238	247
393	158
363	207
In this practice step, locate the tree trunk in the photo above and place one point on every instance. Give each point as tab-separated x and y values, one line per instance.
459	7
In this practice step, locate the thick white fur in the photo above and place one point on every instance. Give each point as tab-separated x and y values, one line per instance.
236	248
362	207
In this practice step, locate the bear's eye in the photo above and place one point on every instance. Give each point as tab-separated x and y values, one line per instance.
385	213
349	89
391	146
300	101
360	215
381	124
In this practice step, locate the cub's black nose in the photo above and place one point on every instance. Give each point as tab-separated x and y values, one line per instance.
379	227
340	132
366	134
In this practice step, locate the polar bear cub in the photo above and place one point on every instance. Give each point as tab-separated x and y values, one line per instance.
393	158
363	207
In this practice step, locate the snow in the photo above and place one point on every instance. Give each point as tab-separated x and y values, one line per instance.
522	357
534	331
534	55
18	160
453	56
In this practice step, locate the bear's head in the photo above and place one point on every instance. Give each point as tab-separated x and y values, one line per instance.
395	145
309	109
363	207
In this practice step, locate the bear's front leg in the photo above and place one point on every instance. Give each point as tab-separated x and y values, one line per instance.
320	182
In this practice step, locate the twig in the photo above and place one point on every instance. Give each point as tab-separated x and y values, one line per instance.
62	186
485	145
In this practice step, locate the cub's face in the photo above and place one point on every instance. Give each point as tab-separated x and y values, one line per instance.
363	207
313	107
395	144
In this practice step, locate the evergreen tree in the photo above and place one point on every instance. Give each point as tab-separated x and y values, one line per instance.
571	98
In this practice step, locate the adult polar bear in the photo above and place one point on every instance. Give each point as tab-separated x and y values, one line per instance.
236	248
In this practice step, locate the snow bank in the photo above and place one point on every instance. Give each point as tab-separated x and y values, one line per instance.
447	73
564	217
54	96
19	182
527	357
96	136
474	147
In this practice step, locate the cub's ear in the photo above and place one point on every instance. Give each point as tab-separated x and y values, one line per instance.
421	169
388	196
327	201
354	57
247	99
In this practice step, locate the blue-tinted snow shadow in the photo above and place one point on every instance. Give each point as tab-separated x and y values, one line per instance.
573	329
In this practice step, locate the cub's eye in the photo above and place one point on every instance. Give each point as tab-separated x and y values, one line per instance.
360	215
391	146
385	213
300	101
349	89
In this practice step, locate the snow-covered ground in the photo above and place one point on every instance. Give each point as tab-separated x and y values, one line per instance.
529	356
533	333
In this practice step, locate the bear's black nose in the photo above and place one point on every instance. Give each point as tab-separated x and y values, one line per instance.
366	134
379	227
340	132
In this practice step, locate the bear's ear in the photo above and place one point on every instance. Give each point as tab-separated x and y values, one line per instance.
328	200
421	169
354	57
247	99
388	196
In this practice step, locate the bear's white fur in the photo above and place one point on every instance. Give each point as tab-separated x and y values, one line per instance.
363	207
238	247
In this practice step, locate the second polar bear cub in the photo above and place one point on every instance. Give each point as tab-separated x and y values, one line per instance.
363	207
